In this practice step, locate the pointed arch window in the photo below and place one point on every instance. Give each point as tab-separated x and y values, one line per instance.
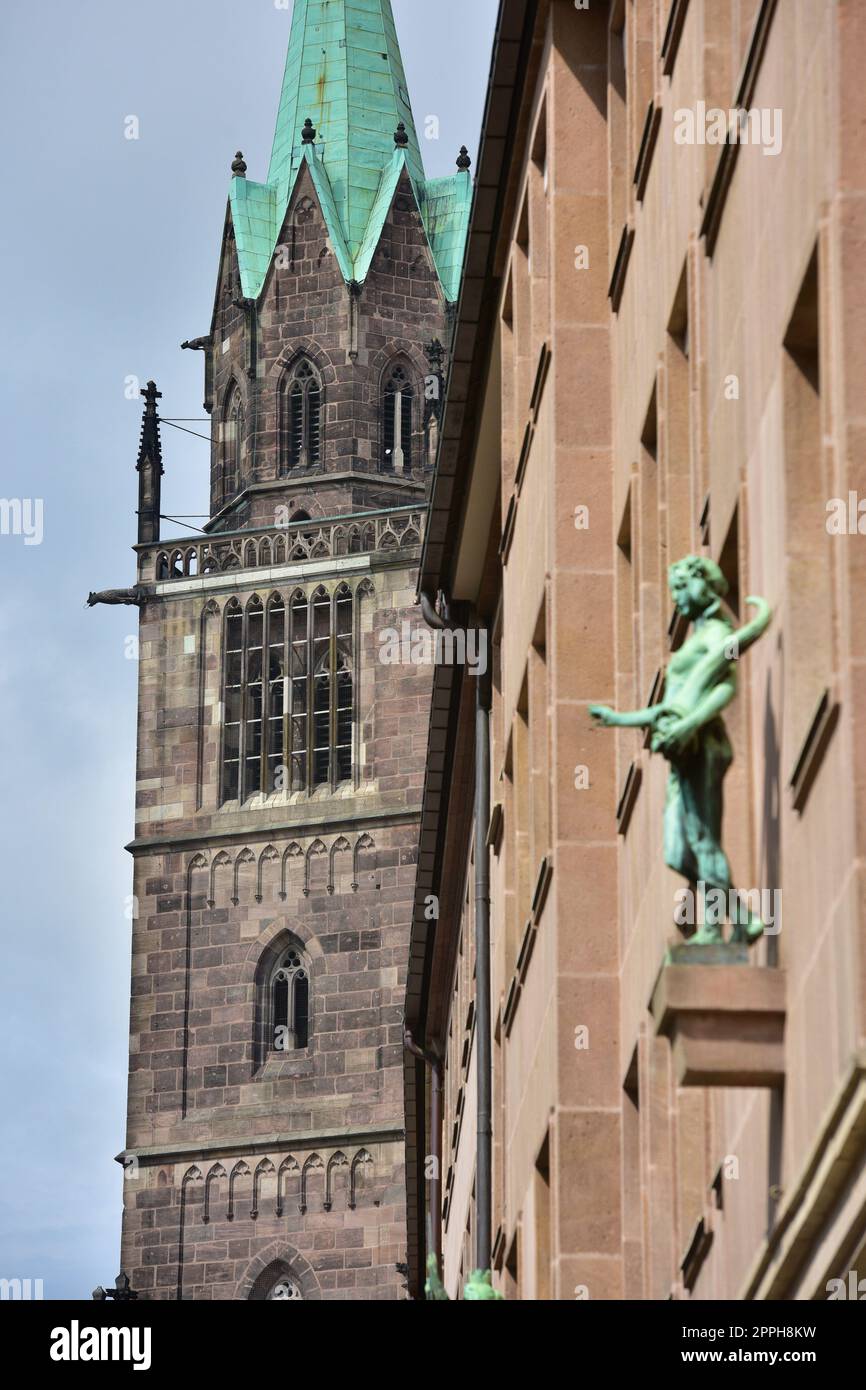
288	694
277	1284
301	418
289	1003
233	439
397	409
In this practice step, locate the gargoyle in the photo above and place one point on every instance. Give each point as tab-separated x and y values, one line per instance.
133	598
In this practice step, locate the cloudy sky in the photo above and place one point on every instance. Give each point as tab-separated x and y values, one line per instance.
109	248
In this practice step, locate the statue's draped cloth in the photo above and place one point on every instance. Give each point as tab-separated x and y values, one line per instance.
693	809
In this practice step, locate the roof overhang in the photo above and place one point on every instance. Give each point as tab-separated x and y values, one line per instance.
460	476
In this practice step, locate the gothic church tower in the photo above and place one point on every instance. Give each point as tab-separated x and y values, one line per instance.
280	761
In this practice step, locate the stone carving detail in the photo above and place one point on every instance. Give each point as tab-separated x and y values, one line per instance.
363	1162
301	541
289	1166
278	869
132	598
337	1160
316	848
246	856
267	856
216	1173
219	860
293	852
340	846
263	1169
222	1184
240	1170
313	1164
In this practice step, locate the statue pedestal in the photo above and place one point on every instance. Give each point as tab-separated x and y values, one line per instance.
725	1019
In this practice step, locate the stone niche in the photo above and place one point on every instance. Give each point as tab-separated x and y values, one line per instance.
725	1019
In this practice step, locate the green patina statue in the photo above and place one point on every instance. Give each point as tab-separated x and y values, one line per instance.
479	1289
687	729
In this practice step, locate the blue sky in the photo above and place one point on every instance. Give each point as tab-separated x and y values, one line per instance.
109	248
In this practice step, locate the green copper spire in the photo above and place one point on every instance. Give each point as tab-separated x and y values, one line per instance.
345	73
344	81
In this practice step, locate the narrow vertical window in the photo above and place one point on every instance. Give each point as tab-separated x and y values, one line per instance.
277	703
233	700
397	426
300	668
321	665
233	435
301	418
344	701
254	697
289	1028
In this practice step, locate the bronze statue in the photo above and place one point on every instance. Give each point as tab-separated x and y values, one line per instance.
478	1290
688	730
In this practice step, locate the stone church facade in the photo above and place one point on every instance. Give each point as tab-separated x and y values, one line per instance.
280	760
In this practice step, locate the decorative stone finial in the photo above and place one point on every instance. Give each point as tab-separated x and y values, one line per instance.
401	139
308	134
463	160
239	168
435	354
149	468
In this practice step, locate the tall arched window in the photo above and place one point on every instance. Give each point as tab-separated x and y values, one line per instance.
233	439
289	1003
288	694
397	428
301	418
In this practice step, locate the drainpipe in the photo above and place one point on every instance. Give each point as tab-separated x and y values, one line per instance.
483	1031
428	610
483	1037
435	1065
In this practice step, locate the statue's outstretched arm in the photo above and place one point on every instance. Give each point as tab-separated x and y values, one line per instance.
629	719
